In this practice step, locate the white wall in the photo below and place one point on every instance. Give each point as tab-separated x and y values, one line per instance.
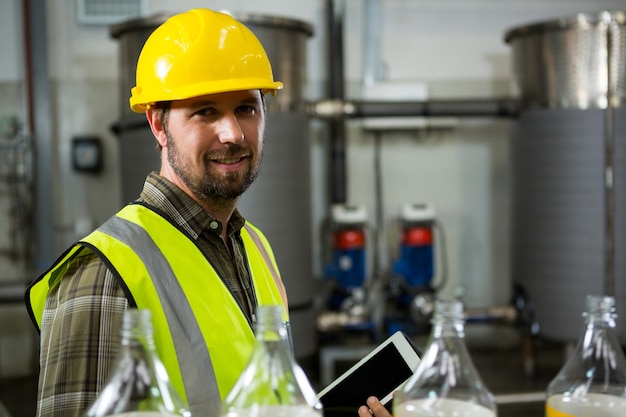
455	47
10	41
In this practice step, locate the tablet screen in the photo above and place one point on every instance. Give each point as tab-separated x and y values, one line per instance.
379	376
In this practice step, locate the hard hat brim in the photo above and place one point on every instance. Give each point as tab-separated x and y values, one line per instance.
139	104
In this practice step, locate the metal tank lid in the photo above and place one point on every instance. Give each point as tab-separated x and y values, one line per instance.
273	21
578	21
156	19
149	22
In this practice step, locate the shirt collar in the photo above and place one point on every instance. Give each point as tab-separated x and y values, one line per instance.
183	210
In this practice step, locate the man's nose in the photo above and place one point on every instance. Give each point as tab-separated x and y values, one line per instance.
229	130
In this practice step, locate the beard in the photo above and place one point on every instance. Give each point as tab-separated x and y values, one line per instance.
210	186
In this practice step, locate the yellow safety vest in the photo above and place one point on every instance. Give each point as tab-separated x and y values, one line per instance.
201	333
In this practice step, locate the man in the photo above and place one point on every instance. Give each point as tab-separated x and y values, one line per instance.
182	249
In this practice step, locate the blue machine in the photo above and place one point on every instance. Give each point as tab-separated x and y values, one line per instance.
347	269
411	287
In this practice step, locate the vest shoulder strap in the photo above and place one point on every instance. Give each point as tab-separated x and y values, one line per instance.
261	243
198	376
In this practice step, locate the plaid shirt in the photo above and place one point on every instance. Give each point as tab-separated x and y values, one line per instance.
81	325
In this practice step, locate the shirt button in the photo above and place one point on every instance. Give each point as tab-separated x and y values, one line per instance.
214	224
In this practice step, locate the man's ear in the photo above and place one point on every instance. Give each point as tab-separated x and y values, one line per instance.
156	125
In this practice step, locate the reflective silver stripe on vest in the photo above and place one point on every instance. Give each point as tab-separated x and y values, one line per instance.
198	376
266	256
268	261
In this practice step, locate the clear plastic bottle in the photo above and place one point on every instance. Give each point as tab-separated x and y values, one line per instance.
138	386
446	382
272	384
592	382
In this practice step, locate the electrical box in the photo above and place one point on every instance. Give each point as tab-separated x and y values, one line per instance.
87	154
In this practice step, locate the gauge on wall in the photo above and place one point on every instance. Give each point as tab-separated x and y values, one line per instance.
87	154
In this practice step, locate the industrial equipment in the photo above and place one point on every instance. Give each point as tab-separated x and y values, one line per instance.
568	146
348	270
411	286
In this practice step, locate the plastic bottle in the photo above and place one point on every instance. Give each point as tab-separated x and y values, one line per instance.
445	383
138	386
592	382
272	384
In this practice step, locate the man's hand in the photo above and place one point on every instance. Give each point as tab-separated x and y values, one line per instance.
373	408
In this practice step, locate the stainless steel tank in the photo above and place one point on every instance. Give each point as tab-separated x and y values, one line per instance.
279	201
570	135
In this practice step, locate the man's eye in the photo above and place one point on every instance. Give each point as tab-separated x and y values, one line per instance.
247	109
207	111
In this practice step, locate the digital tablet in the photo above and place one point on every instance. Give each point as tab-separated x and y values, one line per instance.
379	373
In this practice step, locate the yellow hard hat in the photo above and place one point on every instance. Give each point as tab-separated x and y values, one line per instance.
200	52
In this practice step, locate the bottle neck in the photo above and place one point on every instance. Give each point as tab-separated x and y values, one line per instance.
448	320
137	329
605	322
269	325
599	335
600	312
448	328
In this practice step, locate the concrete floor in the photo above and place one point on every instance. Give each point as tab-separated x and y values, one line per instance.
502	369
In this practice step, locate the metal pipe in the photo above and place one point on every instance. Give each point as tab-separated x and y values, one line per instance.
609	186
28	73
492	314
340	109
337	166
12	293
37	59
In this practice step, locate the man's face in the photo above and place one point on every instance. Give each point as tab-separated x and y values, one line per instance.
214	143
